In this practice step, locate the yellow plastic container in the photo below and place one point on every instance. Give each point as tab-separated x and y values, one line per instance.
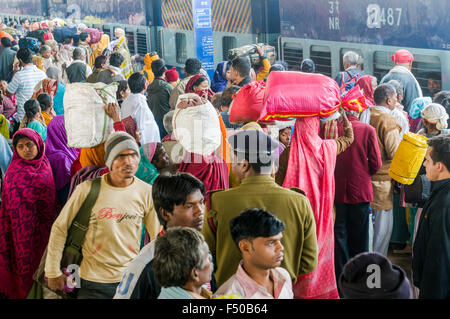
408	158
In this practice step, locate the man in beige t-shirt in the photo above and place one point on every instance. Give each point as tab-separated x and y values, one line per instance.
124	203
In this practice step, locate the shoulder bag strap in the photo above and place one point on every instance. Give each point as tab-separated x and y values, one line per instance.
79	227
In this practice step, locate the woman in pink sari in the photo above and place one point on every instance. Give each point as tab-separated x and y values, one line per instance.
311	168
27	212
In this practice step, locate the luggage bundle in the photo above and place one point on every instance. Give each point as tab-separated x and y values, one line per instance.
297	94
95	34
248	103
250	52
61	33
30	43
87	124
41	34
197	128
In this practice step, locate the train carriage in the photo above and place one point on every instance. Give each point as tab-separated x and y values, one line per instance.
322	30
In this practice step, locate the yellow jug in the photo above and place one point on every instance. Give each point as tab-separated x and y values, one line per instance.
408	158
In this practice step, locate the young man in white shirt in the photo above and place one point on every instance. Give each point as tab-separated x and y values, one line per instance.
135	105
258	233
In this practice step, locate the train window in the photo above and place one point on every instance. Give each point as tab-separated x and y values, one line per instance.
228	43
293	55
142	43
180	41
424	67
130	42
321	55
359	52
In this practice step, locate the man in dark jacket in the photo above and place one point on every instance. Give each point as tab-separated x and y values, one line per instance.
240	72
401	72
78	71
158	94
354	168
6	59
431	252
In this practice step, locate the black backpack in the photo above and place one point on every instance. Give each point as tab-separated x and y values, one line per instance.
30	43
37	34
60	34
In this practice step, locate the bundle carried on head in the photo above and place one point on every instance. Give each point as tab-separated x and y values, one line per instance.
196	125
94	34
87	124
295	95
248	103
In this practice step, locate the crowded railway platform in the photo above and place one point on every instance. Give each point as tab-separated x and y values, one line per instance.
224	149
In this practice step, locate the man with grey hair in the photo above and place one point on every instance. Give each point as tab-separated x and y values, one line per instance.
400	115
351	62
182	264
401	72
124	203
78	71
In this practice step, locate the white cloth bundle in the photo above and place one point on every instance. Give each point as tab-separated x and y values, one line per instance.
197	128
87	124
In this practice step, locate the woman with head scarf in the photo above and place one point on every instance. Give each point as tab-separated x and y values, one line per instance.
415	113
198	84
121	46
221	77
434	118
309	164
53	86
27	212
147	70
153	159
367	84
60	156
99	47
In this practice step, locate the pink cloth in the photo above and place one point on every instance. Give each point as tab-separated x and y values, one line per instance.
311	168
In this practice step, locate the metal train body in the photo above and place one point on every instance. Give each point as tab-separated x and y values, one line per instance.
322	30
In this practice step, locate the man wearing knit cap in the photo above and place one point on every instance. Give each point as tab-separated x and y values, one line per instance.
123	205
372	276
158	94
253	158
401	72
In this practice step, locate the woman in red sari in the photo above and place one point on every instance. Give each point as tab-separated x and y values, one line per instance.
198	84
27	212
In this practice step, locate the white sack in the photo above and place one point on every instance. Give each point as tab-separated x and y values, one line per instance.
87	124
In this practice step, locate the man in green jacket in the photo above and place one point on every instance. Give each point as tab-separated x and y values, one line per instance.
158	95
252	162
